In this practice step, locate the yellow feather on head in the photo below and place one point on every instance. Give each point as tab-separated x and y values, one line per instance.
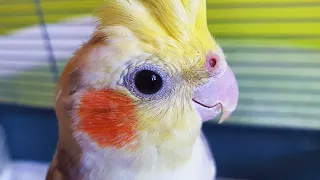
174	30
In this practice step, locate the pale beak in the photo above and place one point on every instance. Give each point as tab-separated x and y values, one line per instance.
220	95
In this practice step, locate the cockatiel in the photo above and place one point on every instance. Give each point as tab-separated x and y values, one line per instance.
131	102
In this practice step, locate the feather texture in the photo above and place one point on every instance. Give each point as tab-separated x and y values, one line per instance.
176	30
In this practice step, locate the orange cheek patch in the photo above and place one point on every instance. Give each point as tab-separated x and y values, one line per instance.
108	118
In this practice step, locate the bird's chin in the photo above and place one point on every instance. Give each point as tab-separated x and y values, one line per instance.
207	112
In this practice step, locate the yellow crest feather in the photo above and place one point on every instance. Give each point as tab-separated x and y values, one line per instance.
172	27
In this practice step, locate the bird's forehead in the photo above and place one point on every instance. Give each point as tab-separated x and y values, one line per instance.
188	53
174	30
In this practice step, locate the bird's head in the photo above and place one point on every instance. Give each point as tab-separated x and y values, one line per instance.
147	79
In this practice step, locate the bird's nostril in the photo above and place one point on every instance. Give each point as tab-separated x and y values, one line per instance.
212	62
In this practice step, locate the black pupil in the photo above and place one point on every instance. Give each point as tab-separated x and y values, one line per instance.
148	82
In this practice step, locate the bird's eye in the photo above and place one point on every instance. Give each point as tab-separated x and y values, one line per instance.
148	82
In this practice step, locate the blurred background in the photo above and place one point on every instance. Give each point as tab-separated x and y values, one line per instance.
273	47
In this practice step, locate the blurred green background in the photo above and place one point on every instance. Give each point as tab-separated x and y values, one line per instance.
273	46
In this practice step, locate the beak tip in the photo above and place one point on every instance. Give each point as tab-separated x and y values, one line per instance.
225	115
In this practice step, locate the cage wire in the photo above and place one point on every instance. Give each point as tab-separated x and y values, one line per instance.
273	47
46	37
